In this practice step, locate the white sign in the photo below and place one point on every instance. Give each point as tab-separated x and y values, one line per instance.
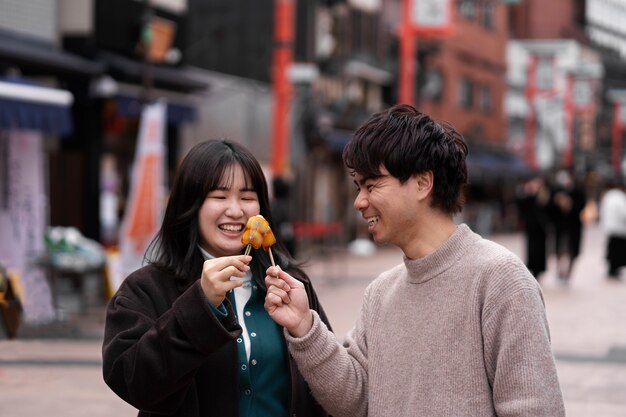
174	6
433	14
368	6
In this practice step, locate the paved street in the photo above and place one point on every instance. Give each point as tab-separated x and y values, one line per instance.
41	374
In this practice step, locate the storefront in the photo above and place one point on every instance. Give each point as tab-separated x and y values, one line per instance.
30	114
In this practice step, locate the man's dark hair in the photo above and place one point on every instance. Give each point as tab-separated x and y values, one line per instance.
407	142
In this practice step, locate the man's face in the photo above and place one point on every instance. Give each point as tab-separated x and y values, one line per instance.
389	207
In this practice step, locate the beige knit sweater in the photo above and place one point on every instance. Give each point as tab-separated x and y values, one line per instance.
459	333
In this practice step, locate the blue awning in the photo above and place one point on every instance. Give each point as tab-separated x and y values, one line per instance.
337	139
126	69
40	57
490	163
25	105
177	113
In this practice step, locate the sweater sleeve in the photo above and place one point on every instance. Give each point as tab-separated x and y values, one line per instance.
337	374
149	357
518	357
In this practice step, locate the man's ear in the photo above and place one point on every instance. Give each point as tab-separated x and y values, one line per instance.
425	182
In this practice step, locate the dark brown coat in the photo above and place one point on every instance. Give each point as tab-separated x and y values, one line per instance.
166	353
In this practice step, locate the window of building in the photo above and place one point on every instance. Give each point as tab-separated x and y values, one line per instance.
466	88
485	102
467	8
545	73
432	88
488	19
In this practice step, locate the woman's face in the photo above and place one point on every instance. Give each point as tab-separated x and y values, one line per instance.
224	213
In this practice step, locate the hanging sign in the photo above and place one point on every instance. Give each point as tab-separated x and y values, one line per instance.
431	17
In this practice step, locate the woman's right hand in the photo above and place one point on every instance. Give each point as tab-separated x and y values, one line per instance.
216	273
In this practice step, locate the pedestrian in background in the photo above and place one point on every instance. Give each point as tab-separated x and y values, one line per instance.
282	214
458	329
566	205
613	222
187	335
532	201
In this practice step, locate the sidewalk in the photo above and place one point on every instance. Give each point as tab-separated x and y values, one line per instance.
56	370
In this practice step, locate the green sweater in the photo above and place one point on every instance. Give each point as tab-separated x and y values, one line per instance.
461	332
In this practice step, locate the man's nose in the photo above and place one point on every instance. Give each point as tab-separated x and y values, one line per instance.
360	202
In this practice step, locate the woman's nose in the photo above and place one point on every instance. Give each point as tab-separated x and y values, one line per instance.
234	209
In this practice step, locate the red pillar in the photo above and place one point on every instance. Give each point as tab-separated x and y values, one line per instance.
406	84
616	148
281	87
568	104
531	120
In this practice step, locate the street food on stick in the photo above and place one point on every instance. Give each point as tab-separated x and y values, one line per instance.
258	233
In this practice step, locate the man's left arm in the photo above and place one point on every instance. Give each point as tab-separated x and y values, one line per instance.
518	356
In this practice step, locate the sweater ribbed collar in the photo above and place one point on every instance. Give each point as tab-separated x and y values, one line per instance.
446	255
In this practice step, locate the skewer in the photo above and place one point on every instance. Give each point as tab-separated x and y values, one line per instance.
269	250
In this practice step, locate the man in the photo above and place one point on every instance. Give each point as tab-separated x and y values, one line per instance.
458	329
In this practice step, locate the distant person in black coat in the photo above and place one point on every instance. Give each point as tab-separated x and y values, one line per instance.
532	200
566	204
283	215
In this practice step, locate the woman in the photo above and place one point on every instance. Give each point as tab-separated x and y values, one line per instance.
187	335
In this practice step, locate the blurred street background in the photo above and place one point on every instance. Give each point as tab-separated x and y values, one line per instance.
100	100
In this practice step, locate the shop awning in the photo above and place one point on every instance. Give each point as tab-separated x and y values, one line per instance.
492	164
337	139
177	113
24	105
35	57
125	69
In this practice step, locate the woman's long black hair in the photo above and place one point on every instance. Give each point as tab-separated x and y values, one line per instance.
175	247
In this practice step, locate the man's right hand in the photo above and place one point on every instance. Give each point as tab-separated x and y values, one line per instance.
287	302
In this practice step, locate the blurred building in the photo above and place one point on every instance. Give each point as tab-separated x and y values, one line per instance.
36	112
346	67
111	56
552	103
576	46
604	23
213	60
